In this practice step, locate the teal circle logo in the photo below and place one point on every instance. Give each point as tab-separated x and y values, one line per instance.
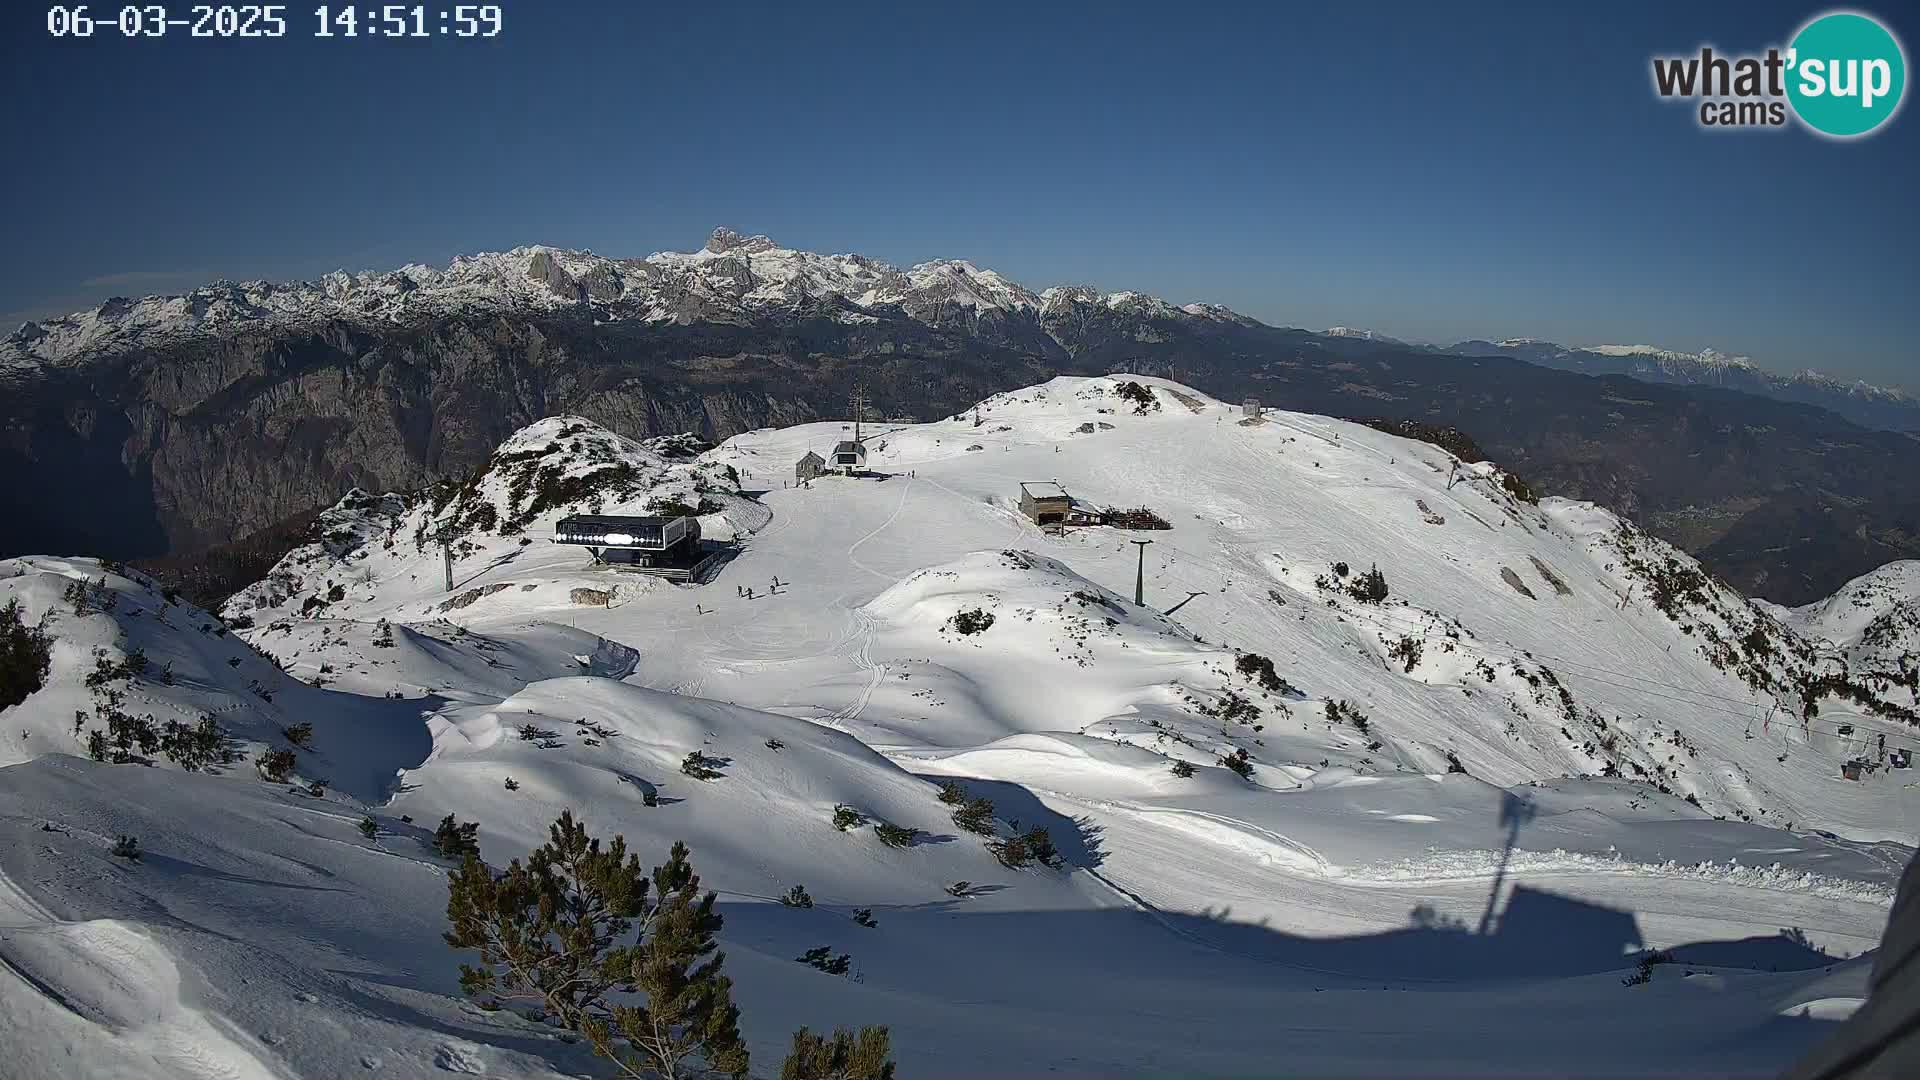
1846	74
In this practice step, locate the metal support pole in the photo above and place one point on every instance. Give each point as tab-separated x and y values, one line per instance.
1140	575
446	558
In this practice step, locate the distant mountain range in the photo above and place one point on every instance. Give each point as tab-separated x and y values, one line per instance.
1887	408
169	424
1862	403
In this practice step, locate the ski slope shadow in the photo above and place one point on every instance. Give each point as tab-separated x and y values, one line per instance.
1467	1004
1538	933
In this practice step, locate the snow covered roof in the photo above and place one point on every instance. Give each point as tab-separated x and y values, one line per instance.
1045	489
810	456
848	446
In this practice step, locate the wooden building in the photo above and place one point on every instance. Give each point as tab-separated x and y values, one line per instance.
1047	503
809	467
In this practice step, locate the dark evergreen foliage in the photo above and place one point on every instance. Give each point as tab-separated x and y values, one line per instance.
971	621
26	654
897	836
975	816
276	765
822	958
1258	668
554	932
456	839
843	1056
1370	587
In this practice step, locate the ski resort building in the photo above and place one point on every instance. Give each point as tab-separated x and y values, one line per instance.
1251	407
661	546
850	456
809	467
1047	503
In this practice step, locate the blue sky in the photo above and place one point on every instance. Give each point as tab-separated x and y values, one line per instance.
1494	170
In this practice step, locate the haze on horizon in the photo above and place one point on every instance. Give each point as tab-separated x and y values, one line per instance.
1425	175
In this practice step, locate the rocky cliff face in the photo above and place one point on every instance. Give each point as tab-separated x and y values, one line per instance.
194	443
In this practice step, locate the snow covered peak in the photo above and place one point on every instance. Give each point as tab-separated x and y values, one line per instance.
1360	333
731	278
1706	357
1878	609
550	468
725	240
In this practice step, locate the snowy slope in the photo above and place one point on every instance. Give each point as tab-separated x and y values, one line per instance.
378	557
1433	843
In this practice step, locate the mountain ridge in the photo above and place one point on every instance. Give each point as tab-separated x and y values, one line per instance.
720	280
1885	407
174	425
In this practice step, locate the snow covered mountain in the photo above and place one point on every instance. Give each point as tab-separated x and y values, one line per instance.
1874	619
1861	402
1360	334
1289	796
732	278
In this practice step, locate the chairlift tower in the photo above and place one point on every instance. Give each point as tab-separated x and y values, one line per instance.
857	401
446	553
1140	574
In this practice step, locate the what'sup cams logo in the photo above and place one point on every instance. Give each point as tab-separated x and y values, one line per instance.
1843	76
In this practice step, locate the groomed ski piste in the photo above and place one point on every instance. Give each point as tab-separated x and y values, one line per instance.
1464	814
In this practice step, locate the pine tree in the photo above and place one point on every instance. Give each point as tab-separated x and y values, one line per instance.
843	1056
1040	846
821	958
1182	769
26	654
457	840
276	765
976	816
550	931
895	835
952	793
369	828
